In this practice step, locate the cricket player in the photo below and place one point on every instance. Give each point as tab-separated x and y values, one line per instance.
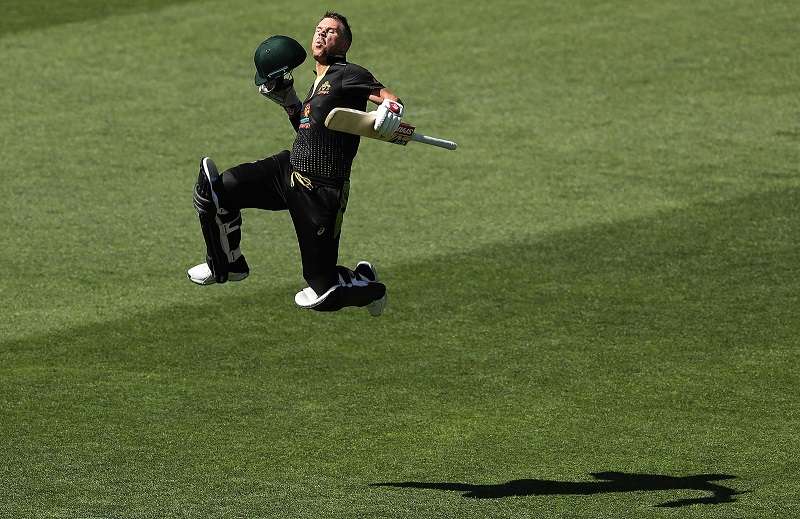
311	181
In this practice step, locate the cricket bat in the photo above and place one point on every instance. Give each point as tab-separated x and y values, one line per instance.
361	123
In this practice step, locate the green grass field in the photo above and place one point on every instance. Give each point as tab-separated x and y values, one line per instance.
593	302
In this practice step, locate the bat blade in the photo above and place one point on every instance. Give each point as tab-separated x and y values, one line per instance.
356	122
352	121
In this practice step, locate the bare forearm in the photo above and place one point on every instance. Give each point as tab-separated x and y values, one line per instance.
378	96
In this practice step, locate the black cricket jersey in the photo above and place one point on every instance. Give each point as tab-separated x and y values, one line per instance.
318	151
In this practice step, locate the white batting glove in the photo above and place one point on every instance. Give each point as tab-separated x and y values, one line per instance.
387	118
280	91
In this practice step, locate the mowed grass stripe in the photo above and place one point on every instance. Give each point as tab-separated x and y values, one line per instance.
36	15
633	320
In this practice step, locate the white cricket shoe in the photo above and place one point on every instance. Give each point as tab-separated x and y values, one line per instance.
366	271
202	275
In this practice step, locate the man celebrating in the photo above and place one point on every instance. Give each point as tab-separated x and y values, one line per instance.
311	181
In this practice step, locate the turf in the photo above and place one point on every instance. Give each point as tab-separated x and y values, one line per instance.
593	302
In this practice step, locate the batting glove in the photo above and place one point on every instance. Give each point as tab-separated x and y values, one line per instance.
387	118
280	91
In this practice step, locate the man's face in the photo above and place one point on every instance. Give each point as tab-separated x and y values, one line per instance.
328	40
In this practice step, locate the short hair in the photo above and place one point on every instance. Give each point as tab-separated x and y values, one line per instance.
348	34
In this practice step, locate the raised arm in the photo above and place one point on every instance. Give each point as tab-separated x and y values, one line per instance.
282	92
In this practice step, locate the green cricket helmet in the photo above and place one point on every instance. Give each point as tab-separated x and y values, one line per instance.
277	56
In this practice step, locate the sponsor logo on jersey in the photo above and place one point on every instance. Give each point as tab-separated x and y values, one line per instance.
305	121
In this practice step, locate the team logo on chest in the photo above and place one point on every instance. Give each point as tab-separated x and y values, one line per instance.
324	89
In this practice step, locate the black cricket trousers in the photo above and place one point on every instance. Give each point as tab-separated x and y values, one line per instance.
316	206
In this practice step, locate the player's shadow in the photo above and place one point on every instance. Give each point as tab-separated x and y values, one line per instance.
604	483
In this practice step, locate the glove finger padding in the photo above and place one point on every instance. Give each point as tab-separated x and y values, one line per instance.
387	118
389	126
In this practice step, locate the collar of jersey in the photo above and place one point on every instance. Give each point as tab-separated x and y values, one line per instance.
332	60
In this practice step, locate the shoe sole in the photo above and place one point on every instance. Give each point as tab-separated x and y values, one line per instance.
377	307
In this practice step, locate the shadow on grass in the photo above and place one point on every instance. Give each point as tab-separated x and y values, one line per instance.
679	291
605	483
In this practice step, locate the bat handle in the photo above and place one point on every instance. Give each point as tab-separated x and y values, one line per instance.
433	141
